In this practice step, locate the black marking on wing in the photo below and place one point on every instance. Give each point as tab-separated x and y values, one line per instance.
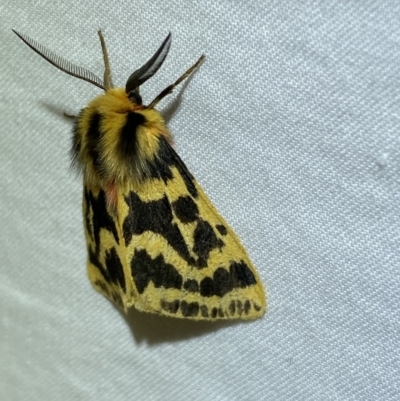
112	272
205	241
232	307
166	158
222	229
247	306
241	275
239	307
193	309
204	311
191	286
154	216
160	216
94	260
160	167
113	295
114	268
171	307
222	282
145	269
101	218
103	287
189	309
186	209
157	216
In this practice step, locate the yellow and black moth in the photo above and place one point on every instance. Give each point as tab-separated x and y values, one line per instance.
154	239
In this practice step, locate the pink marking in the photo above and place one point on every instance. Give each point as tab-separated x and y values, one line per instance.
111	197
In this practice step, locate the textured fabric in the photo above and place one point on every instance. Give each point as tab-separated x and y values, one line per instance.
291	125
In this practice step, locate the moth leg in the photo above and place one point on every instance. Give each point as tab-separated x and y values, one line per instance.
70	116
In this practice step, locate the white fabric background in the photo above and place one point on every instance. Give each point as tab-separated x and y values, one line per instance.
292	125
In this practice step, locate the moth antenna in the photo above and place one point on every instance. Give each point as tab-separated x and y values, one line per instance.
168	90
108	84
145	72
60	62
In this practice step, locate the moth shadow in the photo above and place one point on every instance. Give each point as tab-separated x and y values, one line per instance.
155	329
174	105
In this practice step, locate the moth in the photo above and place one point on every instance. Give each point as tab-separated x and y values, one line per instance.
154	239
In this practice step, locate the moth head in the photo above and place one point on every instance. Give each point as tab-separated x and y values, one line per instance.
115	135
133	83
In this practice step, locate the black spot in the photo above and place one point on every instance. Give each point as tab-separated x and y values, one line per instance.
220	312
222	229
145	269
186	209
239	307
207	287
219	285
205	241
204	311
222	282
232	307
191	285
127	137
247	307
241	275
257	307
189	309
171	307
214	312
154	216
101	219
114	268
